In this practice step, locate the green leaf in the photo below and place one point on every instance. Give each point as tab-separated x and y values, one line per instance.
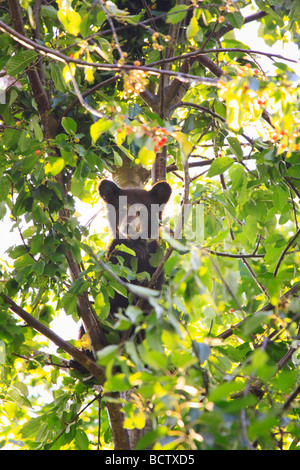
185	145
261	427
78	190
146	156
15	396
177	14
125	249
236	19
219	166
235	147
107	354
57	77
105	49
4	187
224	390
143	291
81	440
280	197
237	176
32	427
69	125
202	350
25	260
294	171
254	322
19	62
29	232
48	11
69	304
2	209
158	360
117	383
37	130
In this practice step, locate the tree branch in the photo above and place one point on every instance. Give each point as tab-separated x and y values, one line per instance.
283	300
285	251
89	92
203	52
86	312
116	418
54	54
229	255
37	34
32	73
208	111
111	24
226	28
97	371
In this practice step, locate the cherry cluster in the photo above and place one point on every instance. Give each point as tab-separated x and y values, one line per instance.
159	138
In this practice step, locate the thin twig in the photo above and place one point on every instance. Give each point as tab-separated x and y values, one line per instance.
80	97
268	307
201	52
238	305
75	418
111	24
89	92
290	243
230	255
56	55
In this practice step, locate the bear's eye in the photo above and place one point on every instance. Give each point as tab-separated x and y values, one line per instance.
138	213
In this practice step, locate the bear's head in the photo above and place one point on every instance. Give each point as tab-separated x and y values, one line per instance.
135	213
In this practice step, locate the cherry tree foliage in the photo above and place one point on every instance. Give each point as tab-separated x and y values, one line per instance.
144	91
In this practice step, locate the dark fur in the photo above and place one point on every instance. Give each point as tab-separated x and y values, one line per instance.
144	246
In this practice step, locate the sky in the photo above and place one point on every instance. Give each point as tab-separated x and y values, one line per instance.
63	325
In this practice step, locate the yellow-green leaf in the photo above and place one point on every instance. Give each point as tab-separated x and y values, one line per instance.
54	166
69	72
146	156
120	135
101	307
234	114
136	420
70	19
193	28
185	145
118	161
99	127
89	74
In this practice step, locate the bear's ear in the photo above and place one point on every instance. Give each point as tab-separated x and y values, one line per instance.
109	191
160	192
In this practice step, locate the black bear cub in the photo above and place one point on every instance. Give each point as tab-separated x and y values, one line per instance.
134	216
